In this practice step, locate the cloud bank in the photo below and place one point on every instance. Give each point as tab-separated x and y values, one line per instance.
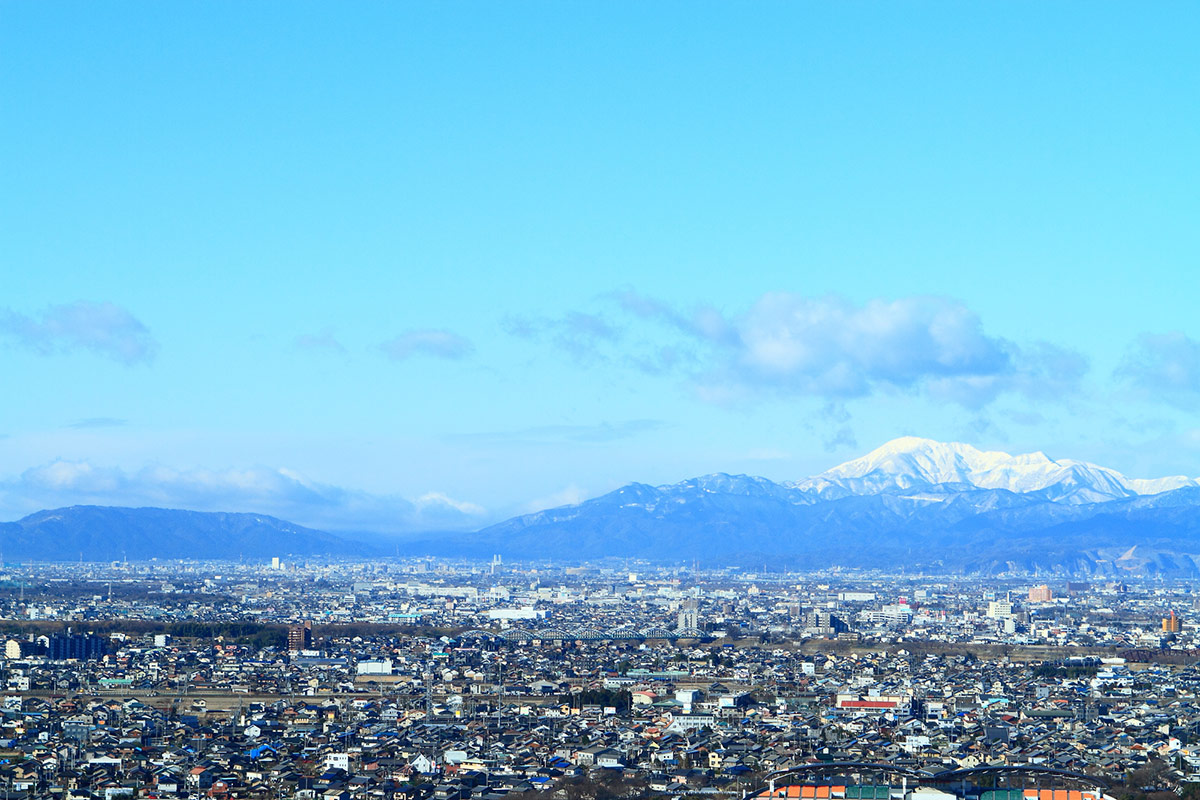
278	492
824	347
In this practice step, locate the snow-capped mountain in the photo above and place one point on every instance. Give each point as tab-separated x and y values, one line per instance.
913	502
911	465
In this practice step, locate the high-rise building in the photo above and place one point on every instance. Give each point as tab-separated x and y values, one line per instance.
689	616
78	646
824	623
300	637
1041	594
1172	623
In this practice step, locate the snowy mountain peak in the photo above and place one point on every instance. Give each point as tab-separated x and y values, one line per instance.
927	460
912	501
911	464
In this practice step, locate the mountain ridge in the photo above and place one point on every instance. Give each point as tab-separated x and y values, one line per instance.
910	502
910	461
111	533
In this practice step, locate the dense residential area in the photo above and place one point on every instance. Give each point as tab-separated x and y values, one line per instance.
459	681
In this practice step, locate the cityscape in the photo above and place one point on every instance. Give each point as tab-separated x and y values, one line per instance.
424	678
599	400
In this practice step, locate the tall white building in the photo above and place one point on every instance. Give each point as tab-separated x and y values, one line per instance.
1000	609
689	616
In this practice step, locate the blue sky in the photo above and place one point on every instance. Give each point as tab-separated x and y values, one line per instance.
400	266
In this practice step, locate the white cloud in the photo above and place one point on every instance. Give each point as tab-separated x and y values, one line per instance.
437	500
827	347
568	496
103	328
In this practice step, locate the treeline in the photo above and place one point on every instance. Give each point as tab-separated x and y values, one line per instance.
253	634
20	628
250	633
368	630
130	592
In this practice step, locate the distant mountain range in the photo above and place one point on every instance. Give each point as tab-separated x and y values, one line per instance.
910	464
913	504
106	533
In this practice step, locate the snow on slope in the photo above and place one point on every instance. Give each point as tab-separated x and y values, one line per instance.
1159	485
911	464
